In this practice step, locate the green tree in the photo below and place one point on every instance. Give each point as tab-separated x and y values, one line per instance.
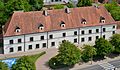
36	4
82	3
68	55
24	63
58	6
70	5
103	47
88	53
115	41
3	66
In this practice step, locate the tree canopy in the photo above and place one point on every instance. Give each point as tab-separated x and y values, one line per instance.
3	66
58	6
103	47
115	41
24	63
88	53
82	3
68	55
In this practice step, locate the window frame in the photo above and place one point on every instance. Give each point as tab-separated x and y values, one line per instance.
19	48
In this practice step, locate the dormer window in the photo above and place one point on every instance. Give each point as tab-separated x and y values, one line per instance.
102	19
83	21
41	27
17	29
62	24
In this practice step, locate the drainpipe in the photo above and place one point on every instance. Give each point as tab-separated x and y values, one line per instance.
24	43
101	31
78	36
47	39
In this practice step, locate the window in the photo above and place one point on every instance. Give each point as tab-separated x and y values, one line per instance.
52	43
50	36
97	37
41	27
17	29
11	41
89	38
82	39
30	47
90	31
64	34
102	19
113	27
113	32
19	48
103	36
37	45
42	37
19	40
62	24
82	32
97	30
75	32
52	0
11	49
63	41
104	29
44	45
75	40
31	38
83	21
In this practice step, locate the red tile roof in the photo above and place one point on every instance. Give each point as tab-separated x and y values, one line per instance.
29	21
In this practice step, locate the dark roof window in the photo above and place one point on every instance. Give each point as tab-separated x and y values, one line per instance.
83	21
62	24
41	27
102	19
17	29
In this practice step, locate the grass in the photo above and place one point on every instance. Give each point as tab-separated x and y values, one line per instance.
36	56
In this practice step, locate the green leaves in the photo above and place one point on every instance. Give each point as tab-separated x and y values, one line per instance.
82	3
103	47
115	41
3	66
58	6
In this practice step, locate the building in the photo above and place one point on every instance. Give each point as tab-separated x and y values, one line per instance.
29	31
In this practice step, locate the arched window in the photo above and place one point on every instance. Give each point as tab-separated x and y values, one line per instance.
41	27
17	29
62	24
102	19
83	21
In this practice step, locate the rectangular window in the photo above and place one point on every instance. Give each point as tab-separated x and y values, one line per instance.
97	37
37	45
11	41
82	32
64	34
19	40
42	37
75	40
89	38
90	31
75	32
19	48
97	30
30	47
113	32
82	39
104	29
11	49
52	43
50	36
31	38
44	45
103	36
113	27
52	0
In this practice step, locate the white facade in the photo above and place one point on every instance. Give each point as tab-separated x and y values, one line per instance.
89	36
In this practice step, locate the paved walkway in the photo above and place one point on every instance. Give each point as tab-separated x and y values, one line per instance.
41	62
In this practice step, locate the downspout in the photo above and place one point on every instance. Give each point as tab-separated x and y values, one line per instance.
47	39
101	32
24	43
78	36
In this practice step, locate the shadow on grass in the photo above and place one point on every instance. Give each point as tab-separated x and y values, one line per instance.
98	58
113	55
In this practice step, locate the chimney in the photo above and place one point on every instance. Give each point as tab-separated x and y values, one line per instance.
67	10
45	12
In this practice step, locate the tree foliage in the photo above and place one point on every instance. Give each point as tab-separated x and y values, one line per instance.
82	3
70	5
114	9
88	53
3	66
115	41
103	47
68	55
58	6
24	63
